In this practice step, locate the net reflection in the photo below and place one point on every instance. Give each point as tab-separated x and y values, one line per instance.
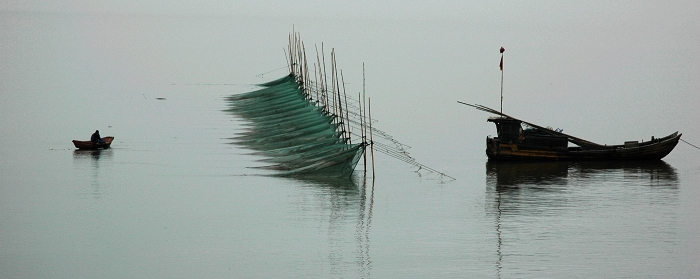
346	198
336	185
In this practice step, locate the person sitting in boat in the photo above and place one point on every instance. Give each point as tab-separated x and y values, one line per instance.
96	138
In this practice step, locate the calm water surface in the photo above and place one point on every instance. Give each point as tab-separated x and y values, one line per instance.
174	198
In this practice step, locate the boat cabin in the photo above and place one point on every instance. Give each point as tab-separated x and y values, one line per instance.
511	131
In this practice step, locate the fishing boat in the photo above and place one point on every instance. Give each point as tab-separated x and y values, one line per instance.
521	140
86	144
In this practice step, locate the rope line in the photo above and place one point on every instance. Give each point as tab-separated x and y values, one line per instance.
392	148
690	144
261	75
237	84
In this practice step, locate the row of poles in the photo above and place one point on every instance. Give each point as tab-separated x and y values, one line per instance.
353	114
334	101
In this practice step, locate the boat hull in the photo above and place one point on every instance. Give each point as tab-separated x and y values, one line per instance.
653	150
86	144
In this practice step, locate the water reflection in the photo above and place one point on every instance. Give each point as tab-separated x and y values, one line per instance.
363	226
536	188
95	157
512	175
94	154
518	193
517	176
337	185
656	172
344	196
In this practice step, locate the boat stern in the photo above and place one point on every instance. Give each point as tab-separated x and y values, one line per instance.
492	148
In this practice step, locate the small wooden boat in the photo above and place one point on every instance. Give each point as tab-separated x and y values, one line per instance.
521	140
86	144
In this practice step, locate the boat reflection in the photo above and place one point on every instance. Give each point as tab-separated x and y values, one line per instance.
93	154
656	172
538	187
508	176
511	175
95	157
527	189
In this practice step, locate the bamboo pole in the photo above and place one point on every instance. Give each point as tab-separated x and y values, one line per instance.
307	79
575	140
371	143
320	81
363	89
300	57
300	75
291	60
316	83
291	55
340	101
364	134
296	53
347	113
291	52
325	78
362	128
334	78
286	58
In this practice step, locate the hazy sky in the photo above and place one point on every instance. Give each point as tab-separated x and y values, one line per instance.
549	11
628	68
606	71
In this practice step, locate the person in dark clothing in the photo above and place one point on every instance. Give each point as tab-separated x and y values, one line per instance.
96	138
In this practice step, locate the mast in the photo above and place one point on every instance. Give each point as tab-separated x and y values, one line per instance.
501	66
363	108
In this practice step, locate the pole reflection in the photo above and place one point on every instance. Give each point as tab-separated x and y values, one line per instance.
364	223
344	194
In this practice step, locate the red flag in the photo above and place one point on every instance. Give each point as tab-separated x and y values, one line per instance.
501	65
